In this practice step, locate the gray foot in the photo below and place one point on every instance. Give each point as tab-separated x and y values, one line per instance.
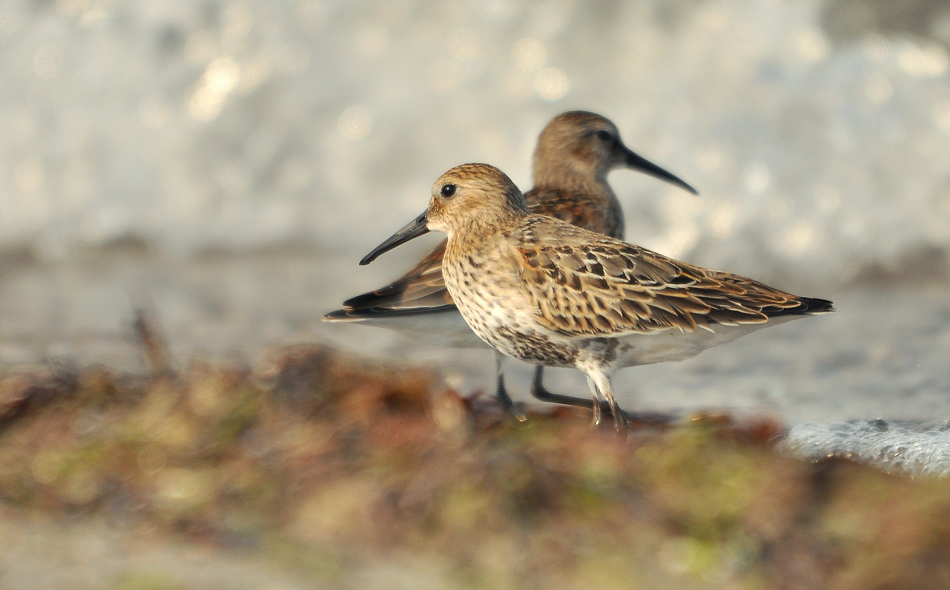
539	392
516	411
620	420
501	392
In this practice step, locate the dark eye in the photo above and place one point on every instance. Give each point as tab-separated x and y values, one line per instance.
448	191
603	135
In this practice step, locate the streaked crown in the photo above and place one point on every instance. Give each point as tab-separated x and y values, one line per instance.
577	142
474	196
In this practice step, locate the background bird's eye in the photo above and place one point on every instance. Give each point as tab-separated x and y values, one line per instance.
448	190
603	135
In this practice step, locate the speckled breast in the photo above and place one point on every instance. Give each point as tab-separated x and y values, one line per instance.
496	313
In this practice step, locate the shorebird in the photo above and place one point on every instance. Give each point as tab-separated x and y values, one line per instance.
575	152
550	293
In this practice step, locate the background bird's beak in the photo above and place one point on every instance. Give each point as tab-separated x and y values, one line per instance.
636	162
412	230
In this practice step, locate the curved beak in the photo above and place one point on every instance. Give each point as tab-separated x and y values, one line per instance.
637	162
412	230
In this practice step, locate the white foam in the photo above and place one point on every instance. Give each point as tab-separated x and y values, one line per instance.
325	122
915	449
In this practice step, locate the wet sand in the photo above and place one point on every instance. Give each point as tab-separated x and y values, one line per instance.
882	355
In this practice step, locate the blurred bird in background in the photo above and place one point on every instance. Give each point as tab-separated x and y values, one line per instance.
575	153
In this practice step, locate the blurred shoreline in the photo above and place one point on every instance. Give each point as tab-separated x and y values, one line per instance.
814	130
881	355
317	468
222	166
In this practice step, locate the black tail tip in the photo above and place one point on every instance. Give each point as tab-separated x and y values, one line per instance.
372	298
337	316
815	305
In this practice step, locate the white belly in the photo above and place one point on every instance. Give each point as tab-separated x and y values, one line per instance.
673	345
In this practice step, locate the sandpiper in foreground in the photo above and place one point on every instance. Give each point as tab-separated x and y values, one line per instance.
575	152
547	292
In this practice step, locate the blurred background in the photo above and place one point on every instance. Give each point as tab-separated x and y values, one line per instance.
226	164
229	162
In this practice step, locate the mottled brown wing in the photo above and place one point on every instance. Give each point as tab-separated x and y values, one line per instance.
587	284
597	213
421	288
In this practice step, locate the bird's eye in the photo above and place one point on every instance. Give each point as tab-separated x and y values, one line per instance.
603	135
448	191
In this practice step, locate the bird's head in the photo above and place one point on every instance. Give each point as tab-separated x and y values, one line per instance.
469	199
584	146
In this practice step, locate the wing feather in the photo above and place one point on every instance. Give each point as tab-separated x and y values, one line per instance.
583	283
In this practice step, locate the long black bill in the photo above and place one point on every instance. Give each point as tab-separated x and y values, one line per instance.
641	164
412	230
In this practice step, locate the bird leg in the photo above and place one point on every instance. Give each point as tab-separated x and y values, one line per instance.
541	393
600	386
501	392
595	405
